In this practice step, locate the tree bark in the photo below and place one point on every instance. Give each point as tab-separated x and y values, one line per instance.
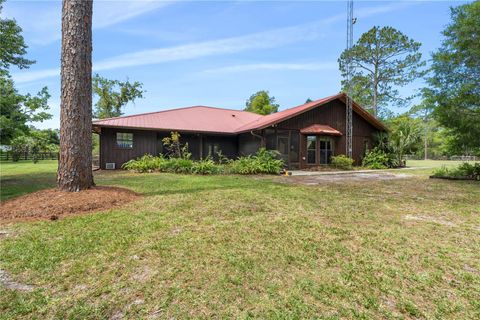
75	163
426	142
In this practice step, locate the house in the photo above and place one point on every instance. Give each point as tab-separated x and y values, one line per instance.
305	136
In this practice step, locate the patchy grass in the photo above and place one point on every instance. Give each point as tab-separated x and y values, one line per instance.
249	247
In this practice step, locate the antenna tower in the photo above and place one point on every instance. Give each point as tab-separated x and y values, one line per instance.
349	102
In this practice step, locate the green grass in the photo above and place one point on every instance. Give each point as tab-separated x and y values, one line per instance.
17	178
434	163
249	247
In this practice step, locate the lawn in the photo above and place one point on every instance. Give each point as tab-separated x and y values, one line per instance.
23	177
249	247
434	163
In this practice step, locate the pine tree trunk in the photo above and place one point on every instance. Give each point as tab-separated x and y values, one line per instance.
75	163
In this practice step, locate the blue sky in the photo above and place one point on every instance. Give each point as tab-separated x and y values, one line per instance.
217	53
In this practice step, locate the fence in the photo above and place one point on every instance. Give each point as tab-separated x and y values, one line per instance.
10	156
457	158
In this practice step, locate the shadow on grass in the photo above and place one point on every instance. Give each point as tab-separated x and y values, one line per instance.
14	186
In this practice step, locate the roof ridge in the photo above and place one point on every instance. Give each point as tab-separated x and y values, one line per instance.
311	103
169	110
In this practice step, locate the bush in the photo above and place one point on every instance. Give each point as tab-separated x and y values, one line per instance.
468	170
263	162
207	166
177	165
342	162
146	163
464	170
379	159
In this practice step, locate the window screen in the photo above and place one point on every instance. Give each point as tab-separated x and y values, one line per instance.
294	139
124	140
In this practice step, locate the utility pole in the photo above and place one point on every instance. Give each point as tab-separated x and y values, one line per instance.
349	102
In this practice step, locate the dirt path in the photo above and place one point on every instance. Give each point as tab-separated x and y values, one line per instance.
316	179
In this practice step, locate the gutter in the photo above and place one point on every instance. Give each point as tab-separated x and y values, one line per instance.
257	136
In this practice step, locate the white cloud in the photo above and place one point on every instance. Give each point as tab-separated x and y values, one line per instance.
261	40
29	76
274	66
42	24
255	41
107	13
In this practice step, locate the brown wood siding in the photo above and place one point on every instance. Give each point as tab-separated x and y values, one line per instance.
333	115
150	142
144	142
228	145
193	141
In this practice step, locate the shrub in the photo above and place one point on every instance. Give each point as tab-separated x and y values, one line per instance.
207	166
376	159
146	163
468	170
174	147
464	170
441	172
177	165
263	162
379	159
342	162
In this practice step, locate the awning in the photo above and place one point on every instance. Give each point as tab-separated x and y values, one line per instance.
321	129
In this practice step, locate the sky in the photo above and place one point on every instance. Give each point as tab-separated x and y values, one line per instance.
217	53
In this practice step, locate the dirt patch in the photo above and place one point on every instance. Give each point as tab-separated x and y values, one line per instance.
429	219
8	283
316	179
53	204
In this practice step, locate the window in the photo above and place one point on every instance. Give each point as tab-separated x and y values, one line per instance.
213	149
311	149
124	140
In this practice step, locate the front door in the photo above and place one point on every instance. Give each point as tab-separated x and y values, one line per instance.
319	150
325	150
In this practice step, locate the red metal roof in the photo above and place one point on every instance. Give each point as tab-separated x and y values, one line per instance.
320	129
195	119
217	120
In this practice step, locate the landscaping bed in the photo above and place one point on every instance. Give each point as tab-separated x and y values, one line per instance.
464	171
53	204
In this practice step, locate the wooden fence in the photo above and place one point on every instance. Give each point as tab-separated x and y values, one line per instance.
9	155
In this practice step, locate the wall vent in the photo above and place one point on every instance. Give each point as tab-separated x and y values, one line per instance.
110	165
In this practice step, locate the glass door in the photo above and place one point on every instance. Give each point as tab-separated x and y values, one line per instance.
325	150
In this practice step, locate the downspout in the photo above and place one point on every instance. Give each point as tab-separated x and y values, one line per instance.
262	144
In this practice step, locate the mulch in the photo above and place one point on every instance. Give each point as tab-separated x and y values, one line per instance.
53	204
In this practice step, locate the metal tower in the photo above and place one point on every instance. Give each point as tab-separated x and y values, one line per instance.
349	115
